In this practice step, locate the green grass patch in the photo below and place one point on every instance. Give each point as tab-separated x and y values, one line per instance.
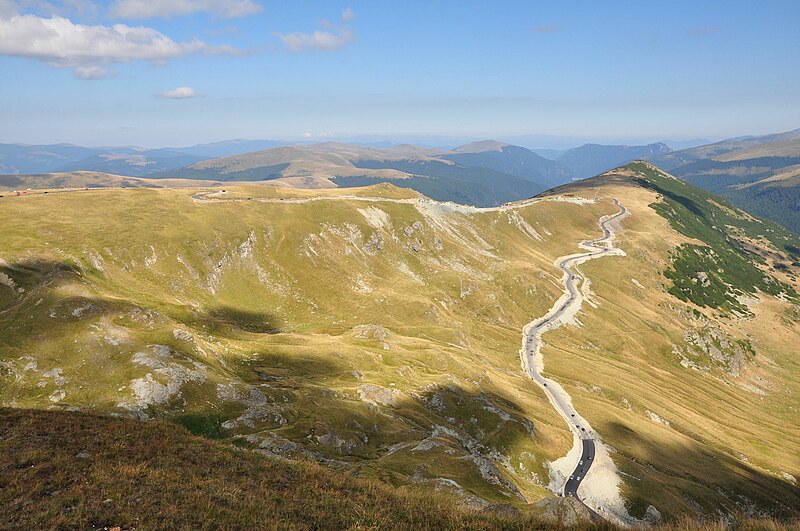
208	426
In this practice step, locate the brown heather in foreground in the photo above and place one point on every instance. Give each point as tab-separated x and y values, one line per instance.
72	470
61	470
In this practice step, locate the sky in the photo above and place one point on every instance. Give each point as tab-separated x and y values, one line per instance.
181	72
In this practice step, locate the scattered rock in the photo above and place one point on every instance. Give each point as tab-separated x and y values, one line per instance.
378	395
371	331
172	370
183	335
7	281
82	309
652	515
707	343
376	218
563	511
374	244
57	375
655	418
58	395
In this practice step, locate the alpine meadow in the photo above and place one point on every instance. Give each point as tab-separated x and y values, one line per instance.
418	265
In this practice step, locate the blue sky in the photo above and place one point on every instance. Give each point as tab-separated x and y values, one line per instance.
113	73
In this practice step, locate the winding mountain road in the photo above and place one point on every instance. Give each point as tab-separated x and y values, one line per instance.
531	357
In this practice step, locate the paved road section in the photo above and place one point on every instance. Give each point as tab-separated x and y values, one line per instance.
530	353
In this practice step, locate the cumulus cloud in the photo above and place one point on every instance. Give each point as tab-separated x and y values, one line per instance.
88	49
138	9
324	41
8	8
180	93
90	72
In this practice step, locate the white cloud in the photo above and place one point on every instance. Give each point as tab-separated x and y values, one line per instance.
8	9
180	93
138	9
324	41
327	39
88	49
90	72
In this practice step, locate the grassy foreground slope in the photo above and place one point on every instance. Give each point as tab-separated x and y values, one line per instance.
382	335
77	471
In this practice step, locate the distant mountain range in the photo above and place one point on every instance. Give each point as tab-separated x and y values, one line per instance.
760	174
482	173
128	161
592	159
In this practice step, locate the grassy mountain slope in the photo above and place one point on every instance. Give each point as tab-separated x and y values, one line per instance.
73	470
383	336
346	330
690	393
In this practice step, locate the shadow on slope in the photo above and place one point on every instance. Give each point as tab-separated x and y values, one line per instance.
72	470
695	478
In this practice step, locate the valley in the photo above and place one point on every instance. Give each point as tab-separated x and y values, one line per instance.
377	331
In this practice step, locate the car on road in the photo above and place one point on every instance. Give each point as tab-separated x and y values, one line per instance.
580	463
578	478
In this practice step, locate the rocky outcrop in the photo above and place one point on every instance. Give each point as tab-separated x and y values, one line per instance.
708	346
378	395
